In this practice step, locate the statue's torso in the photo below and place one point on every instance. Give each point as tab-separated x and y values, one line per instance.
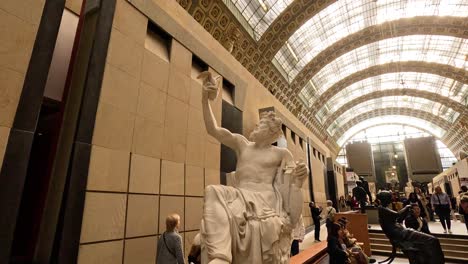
256	170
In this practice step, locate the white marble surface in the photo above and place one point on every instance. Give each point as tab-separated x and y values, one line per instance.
251	221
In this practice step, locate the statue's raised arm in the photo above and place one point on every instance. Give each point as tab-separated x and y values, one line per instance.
251	220
210	92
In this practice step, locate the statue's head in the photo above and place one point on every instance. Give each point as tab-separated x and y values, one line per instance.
268	129
361	178
359	183
385	198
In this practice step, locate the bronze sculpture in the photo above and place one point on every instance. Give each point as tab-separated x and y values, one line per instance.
417	246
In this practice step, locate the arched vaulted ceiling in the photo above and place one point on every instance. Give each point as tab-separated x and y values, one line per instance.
441	103
432	119
411	121
333	60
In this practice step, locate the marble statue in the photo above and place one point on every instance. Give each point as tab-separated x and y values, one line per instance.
417	246
251	221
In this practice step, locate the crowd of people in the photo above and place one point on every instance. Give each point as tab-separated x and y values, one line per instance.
342	246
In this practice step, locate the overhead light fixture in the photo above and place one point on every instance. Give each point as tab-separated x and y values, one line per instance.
395	156
393	174
263	5
292	51
394	167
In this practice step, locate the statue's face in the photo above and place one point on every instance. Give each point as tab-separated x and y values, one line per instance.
261	133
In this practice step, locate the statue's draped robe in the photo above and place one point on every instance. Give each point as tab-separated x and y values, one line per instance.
257	233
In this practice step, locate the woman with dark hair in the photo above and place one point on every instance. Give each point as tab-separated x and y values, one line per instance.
413	199
337	254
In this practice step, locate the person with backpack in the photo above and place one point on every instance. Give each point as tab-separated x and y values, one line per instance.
329	214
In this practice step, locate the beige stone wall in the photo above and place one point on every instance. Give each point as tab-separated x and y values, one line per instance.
318	179
151	155
340	182
19	22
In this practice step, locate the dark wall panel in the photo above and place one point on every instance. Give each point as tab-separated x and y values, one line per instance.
231	119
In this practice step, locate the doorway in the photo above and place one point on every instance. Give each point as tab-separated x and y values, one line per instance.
44	145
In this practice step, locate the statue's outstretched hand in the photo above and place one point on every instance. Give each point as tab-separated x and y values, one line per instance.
210	84
300	173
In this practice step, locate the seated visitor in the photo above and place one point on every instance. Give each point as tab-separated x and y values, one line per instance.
170	243
352	245
251	221
415	221
335	250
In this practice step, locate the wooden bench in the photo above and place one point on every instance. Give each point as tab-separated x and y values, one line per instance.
313	254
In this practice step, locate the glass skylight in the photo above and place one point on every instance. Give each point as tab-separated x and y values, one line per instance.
392	119
402	80
394	101
259	14
426	48
343	18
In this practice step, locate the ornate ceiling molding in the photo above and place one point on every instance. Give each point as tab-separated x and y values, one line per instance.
457	136
217	19
393	111
409	66
446	26
396	92
290	20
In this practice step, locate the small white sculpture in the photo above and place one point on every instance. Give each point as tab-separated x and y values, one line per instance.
251	221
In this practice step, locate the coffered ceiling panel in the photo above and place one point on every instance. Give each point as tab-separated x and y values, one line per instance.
436	84
257	15
422	124
344	18
410	116
321	58
425	48
419	103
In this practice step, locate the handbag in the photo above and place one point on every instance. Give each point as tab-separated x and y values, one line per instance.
442	208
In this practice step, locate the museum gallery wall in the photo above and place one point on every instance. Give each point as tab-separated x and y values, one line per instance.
150	152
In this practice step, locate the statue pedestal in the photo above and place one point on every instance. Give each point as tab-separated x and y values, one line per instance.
358	227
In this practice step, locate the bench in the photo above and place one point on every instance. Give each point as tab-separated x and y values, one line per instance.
313	254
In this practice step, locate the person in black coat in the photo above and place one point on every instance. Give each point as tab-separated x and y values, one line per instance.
315	212
415	221
338	255
361	196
